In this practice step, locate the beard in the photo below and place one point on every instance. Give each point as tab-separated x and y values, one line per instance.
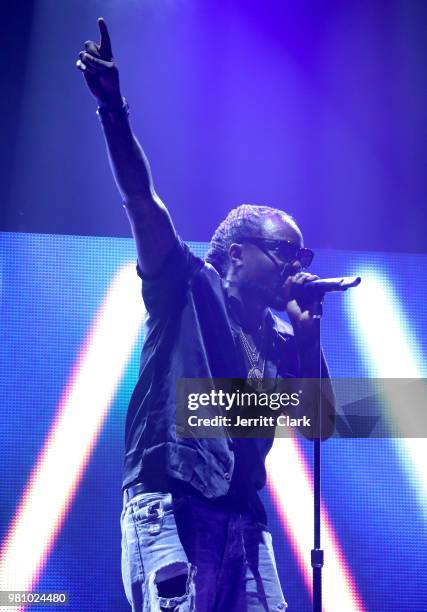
269	296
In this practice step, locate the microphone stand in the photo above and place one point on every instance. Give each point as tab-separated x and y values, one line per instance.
317	555
320	287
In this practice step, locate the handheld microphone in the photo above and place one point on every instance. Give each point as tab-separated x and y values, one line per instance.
326	285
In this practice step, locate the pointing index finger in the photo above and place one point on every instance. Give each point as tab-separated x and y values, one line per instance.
105	45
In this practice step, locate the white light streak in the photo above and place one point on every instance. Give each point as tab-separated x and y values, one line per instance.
292	490
384	338
74	432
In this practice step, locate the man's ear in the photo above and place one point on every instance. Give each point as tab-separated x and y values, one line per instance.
235	253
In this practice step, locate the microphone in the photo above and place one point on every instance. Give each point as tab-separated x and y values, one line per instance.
325	285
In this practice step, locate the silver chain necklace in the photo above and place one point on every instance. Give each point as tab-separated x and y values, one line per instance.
256	361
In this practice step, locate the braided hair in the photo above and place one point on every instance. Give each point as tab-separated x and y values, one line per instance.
241	222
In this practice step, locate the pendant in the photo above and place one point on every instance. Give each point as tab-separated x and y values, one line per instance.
254	378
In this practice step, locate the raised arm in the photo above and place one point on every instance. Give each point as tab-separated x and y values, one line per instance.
151	224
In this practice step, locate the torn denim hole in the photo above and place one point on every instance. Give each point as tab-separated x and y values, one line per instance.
282	606
182	603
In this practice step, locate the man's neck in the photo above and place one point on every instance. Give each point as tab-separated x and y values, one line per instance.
248	312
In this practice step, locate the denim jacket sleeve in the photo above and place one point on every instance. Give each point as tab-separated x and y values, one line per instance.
167	289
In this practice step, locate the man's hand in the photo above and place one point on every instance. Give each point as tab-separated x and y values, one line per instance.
301	308
100	70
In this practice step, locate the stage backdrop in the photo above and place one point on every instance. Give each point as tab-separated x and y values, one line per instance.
71	332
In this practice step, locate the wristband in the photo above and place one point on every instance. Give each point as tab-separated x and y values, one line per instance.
106	113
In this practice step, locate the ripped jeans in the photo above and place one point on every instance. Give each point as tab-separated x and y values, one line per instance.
184	554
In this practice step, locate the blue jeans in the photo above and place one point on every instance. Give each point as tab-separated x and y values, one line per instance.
183	553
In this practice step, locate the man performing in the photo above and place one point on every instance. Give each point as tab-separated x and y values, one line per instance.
194	533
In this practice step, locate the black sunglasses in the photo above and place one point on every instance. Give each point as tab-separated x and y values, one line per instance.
284	249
